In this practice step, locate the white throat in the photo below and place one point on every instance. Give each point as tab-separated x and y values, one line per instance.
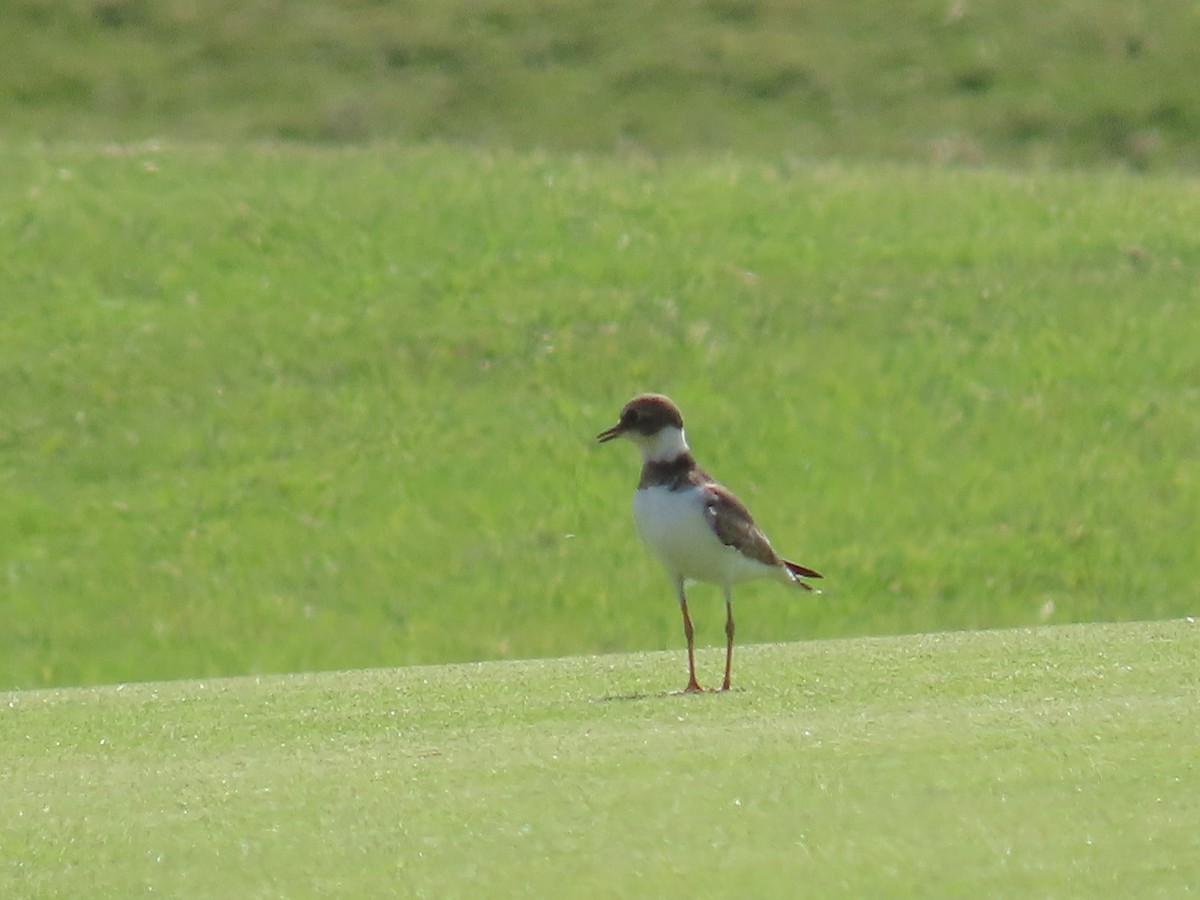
663	446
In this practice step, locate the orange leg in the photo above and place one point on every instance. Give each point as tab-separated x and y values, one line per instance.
728	639
693	686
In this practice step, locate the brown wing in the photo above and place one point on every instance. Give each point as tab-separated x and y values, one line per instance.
735	526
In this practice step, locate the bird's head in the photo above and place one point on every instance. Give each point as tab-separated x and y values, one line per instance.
652	422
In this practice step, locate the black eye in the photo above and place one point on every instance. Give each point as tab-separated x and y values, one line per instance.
632	416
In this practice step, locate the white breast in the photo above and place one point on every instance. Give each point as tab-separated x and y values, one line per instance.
674	526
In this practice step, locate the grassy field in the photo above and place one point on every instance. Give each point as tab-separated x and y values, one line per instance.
1051	762
987	80
282	408
309	314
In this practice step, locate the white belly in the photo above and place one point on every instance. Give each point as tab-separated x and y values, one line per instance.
674	526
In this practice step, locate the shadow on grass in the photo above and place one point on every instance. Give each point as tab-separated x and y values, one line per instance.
641	695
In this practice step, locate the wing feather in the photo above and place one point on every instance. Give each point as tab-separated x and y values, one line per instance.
735	527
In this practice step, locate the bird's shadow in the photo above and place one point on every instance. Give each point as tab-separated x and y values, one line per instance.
658	695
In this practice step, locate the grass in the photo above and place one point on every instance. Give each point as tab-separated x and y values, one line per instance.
285	408
1049	762
997	82
295	380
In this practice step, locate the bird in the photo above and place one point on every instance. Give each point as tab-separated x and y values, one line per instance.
694	525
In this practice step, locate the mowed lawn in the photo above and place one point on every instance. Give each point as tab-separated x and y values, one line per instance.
278	408
308	382
1052	762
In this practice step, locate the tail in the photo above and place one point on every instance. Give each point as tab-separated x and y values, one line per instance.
798	571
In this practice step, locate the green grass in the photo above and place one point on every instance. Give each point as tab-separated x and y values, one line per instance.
308	317
284	408
1052	762
1000	82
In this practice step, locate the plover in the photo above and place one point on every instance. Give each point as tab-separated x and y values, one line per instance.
695	526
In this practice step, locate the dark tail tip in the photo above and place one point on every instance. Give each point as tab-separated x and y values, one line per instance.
801	571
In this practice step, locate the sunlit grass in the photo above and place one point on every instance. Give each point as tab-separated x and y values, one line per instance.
1050	762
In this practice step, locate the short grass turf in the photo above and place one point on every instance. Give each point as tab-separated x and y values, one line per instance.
1051	762
279	408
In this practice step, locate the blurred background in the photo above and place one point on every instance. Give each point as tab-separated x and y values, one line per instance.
938	81
310	311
